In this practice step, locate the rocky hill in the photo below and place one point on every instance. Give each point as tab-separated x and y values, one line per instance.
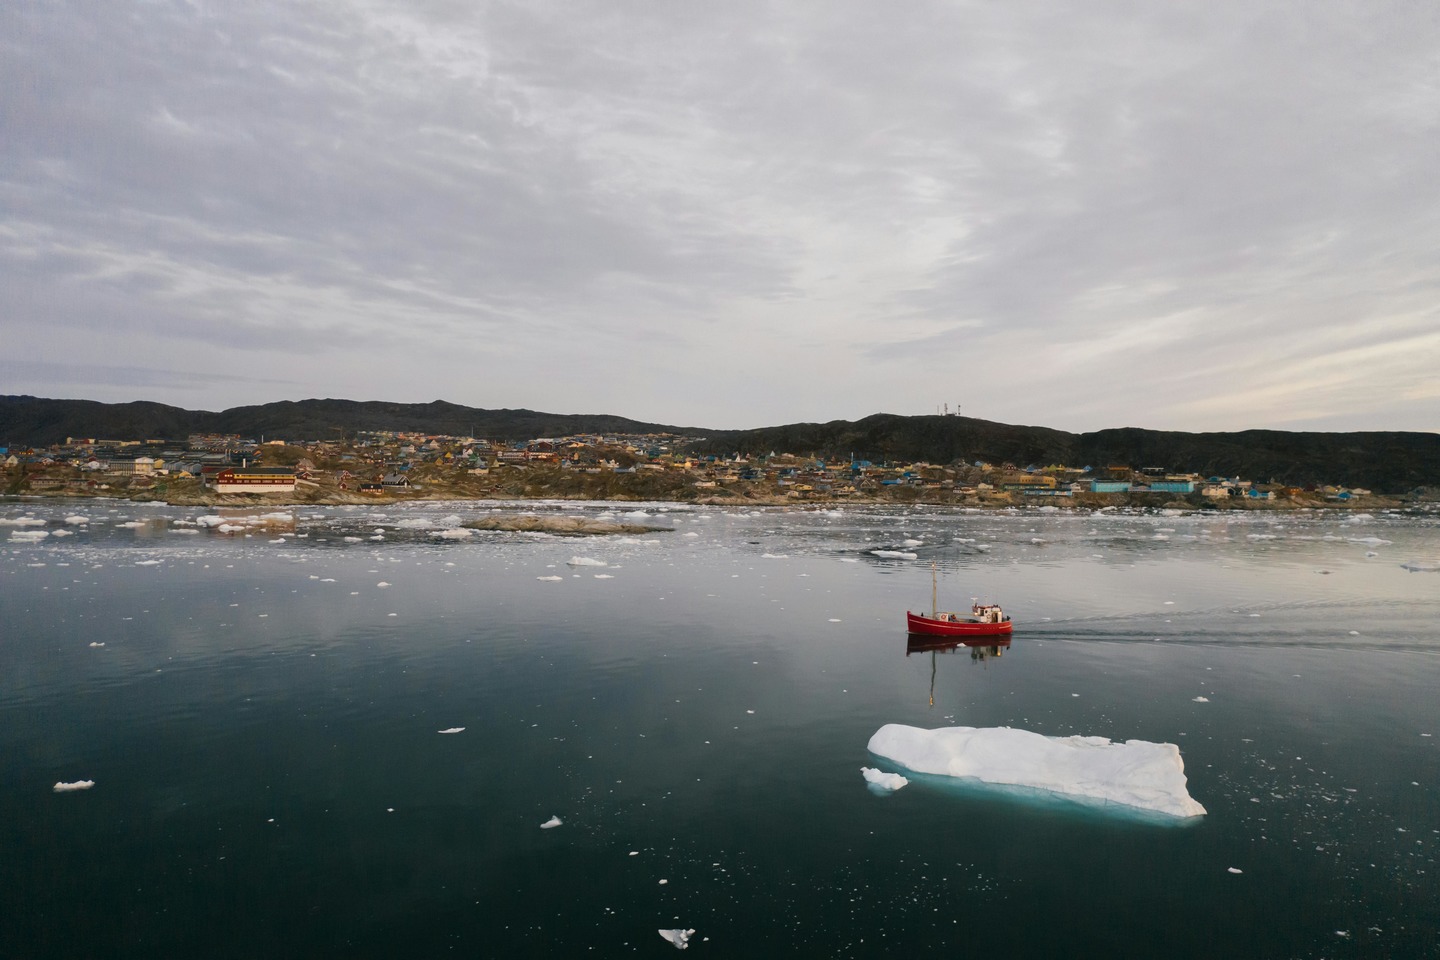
1389	462
1386	462
35	421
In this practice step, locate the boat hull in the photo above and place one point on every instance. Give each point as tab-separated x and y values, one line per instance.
924	626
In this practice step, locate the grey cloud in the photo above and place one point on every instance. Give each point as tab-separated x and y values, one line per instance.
619	185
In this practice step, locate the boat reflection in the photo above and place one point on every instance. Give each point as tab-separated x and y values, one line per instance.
980	650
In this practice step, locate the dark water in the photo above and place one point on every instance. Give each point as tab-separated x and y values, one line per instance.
261	726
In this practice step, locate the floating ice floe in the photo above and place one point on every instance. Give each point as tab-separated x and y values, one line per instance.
1136	773
881	781
72	787
585	562
32	536
76	520
1233	870
147	563
774	556
549	578
551	823
457	533
1414	566
452	730
1200	699
604	576
681	938
383	584
894	554
97	643
1373	541
21	522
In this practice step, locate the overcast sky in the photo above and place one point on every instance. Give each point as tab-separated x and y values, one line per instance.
1188	216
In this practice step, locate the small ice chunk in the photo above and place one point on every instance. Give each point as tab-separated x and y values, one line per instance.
549	578
452	730
681	938
585	562
882	781
894	554
97	643
146	563
1200	699
604	576
77	519
382	584
1233	870
551	823
72	787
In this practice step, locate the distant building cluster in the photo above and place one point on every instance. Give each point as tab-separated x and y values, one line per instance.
378	463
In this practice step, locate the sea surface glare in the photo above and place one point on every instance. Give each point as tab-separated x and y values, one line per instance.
368	732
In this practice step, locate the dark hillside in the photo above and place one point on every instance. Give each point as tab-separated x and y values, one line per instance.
33	421
1385	462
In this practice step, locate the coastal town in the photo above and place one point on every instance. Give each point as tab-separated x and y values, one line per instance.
379	465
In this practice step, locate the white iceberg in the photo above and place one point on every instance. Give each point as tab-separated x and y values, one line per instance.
551	823
681	938
881	781
1136	773
72	787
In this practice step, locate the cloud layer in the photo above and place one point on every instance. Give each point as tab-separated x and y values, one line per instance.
1186	216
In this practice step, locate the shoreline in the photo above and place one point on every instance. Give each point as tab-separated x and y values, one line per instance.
1082	502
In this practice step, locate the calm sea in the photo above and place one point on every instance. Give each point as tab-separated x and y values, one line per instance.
260	707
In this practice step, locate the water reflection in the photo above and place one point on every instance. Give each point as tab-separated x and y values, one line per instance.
981	650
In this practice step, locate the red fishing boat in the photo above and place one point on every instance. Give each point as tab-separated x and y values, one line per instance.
984	619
